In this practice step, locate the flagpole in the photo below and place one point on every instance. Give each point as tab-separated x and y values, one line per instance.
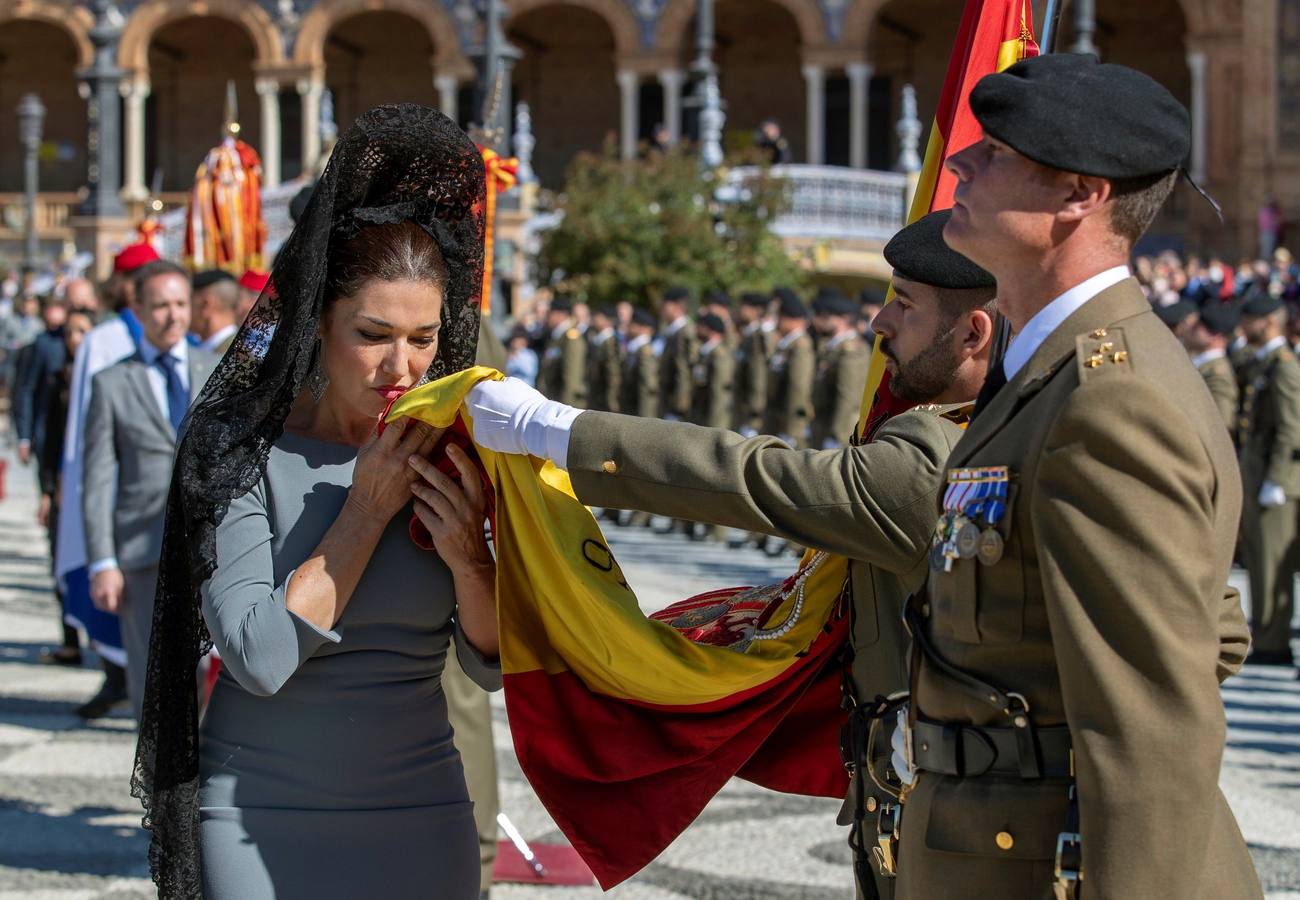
1051	25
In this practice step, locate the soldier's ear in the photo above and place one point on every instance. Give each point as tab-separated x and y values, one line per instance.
975	329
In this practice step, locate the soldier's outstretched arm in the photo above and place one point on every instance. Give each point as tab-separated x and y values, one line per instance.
1133	590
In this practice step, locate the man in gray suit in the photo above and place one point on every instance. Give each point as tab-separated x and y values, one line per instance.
135	411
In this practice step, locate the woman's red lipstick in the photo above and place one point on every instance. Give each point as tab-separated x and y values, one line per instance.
390	392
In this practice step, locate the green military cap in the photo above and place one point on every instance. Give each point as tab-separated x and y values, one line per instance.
1173	313
753	299
642	316
1219	318
713	323
789	305
830	302
561	304
1260	303
918	253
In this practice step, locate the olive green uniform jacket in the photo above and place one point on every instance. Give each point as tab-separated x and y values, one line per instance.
676	364
752	357
837	389
873	504
604	372
713	397
1221	381
1269	437
789	390
1108	612
639	385
562	375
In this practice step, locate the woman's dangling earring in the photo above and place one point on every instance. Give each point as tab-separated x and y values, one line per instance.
317	380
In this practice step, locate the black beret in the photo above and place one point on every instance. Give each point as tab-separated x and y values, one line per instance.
1071	112
718	298
677	293
753	299
606	310
918	253
642	316
208	278
561	304
831	302
1220	318
789	305
1173	313
1260	303
713	323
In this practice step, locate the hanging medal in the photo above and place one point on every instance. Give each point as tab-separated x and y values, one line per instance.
991	543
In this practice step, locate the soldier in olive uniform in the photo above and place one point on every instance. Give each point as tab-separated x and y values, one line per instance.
604	361
1065	715
872	503
1207	342
714	375
1269	435
718	303
677	359
753	353
639	383
562	374
842	364
790	373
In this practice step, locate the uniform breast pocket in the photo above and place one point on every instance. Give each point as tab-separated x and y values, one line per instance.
981	598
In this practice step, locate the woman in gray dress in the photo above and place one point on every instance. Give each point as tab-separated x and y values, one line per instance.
325	766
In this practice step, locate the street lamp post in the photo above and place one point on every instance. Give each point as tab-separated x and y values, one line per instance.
1085	22
31	122
100	86
708	96
495	67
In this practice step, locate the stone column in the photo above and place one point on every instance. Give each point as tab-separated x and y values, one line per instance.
310	90
268	92
448	88
815	117
135	93
671	80
629	88
1197	63
859	77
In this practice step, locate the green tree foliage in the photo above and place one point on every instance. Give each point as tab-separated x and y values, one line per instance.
629	230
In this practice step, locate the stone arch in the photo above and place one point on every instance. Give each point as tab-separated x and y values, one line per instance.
148	17
861	19
309	49
671	37
73	18
622	24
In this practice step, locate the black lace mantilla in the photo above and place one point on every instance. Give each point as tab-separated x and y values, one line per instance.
396	164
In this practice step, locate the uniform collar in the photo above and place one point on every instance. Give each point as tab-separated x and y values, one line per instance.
561	330
1271	346
601	336
1051	316
638	342
1208	356
790	338
676	325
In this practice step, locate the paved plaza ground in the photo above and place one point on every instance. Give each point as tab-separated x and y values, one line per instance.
70	831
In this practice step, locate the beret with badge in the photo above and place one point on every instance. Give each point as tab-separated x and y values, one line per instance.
1260	302
642	316
713	322
1174	313
918	253
831	302
755	300
789	305
1220	318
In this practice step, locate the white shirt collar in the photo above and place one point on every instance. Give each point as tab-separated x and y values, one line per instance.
212	343
638	342
708	346
150	353
1270	346
601	336
840	338
790	338
677	325
1050	317
561	330
1210	355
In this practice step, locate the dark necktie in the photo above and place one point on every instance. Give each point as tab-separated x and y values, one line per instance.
177	397
993	382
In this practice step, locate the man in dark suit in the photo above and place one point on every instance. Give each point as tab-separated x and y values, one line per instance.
135	412
36	367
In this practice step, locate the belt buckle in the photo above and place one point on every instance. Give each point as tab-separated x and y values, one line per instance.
1068	877
886	849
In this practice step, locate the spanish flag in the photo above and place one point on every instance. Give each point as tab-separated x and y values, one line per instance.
627	725
993	35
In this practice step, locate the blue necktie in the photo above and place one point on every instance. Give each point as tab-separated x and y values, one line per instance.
178	399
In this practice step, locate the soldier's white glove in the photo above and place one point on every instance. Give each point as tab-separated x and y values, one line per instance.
1271	494
898	742
511	417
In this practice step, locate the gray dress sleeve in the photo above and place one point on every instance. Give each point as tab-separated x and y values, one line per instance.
482	671
260	641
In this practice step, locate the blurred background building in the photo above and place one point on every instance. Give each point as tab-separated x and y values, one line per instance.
595	73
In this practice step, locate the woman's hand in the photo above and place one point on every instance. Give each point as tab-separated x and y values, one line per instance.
453	512
381	479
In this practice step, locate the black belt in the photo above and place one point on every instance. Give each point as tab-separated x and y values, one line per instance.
969	751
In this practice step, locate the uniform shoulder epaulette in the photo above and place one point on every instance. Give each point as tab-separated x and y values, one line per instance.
1101	350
